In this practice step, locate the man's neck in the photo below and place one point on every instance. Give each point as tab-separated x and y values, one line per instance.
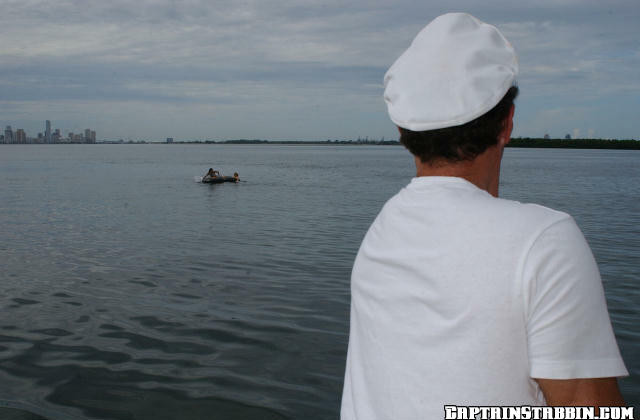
483	171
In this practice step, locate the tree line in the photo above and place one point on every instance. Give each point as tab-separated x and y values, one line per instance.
575	143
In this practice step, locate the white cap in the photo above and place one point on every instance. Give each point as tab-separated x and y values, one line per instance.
456	69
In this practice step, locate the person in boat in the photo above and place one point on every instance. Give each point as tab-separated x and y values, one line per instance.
236	177
457	296
211	174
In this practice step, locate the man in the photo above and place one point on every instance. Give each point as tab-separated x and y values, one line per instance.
211	173
459	297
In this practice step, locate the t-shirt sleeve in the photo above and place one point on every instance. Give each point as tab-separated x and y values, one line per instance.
568	326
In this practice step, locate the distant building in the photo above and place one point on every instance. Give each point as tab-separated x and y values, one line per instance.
8	135
47	132
547	137
56	136
169	139
75	138
21	136
89	136
567	137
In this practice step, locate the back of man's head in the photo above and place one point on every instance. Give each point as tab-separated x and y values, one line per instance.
451	91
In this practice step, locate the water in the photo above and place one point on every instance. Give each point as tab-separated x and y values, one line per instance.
131	292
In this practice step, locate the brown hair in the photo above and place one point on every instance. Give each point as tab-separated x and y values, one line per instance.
461	142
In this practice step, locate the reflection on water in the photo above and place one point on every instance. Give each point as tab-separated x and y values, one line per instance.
132	292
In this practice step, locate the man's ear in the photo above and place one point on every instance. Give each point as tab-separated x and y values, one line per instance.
505	136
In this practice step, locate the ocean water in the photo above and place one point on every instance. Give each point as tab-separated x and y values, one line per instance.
129	291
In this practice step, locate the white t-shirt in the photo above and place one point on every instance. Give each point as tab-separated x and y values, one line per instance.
460	298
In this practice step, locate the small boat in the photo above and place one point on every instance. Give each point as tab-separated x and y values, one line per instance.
217	179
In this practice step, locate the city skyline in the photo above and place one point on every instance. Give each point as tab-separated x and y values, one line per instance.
290	71
19	136
48	136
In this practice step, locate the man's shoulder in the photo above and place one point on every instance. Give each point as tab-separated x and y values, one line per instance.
530	212
466	200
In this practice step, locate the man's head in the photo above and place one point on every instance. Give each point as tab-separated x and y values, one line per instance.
451	92
461	142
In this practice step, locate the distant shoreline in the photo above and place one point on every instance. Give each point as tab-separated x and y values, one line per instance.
518	142
525	142
575	143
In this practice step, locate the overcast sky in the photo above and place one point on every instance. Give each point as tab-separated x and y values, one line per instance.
296	69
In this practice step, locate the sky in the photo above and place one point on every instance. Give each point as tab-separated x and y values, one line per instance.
296	69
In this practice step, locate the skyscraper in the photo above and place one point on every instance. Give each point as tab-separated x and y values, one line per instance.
21	136
47	132
8	135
